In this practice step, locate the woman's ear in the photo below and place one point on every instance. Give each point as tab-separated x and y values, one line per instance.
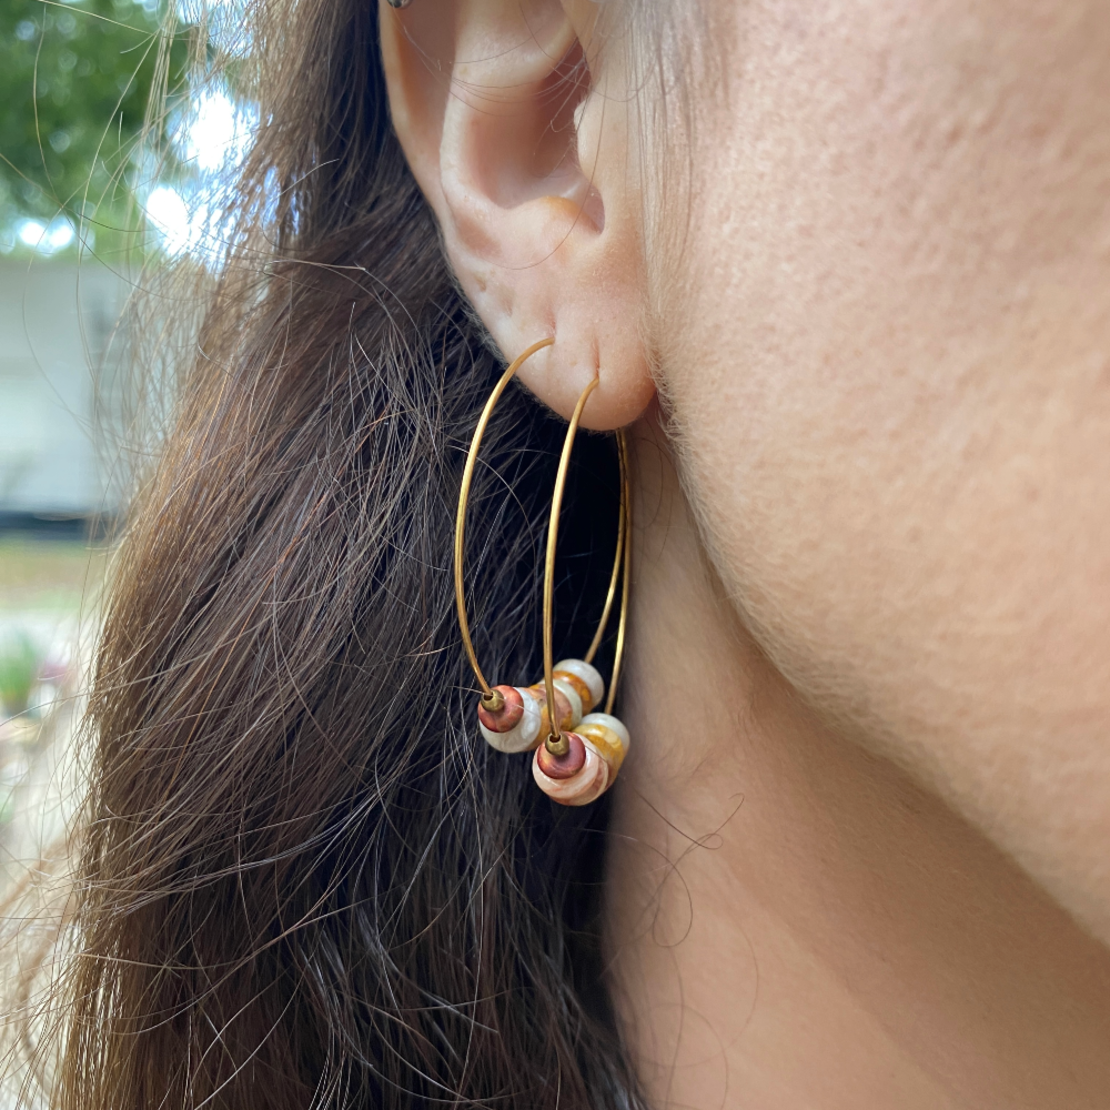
527	164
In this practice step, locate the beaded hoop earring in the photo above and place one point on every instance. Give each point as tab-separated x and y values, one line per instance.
577	752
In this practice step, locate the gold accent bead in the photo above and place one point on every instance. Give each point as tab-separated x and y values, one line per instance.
558	746
493	702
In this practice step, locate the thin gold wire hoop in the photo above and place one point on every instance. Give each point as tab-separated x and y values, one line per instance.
614	577
556	745
491	699
624	559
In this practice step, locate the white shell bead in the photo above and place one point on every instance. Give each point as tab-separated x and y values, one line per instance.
588	674
523	735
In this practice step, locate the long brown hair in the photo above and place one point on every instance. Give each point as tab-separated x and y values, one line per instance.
305	881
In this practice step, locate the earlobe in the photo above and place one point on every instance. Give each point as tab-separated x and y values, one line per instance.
490	99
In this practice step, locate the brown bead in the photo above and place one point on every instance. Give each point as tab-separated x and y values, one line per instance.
508	716
563	766
562	708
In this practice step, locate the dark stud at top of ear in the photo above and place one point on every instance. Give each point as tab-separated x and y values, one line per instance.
398	3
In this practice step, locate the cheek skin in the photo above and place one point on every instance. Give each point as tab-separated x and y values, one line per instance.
887	347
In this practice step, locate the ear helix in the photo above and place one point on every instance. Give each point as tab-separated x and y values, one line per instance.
578	752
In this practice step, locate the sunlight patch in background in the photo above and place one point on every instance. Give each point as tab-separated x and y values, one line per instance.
216	131
178	228
45	238
211	138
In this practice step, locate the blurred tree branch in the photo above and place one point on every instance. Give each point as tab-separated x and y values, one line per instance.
76	83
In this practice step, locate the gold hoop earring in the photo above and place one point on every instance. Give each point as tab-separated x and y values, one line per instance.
577	752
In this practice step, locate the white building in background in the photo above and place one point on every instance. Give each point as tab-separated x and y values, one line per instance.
59	391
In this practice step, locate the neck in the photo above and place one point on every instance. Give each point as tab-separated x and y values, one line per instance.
792	921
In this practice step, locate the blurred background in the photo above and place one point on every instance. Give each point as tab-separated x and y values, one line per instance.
118	119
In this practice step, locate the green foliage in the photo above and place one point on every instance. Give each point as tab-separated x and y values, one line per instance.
20	665
75	82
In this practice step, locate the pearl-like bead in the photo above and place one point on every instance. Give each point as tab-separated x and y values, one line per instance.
585	678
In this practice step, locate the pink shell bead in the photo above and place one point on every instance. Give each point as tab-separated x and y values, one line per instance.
604	741
516	726
508	716
564	766
581	788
